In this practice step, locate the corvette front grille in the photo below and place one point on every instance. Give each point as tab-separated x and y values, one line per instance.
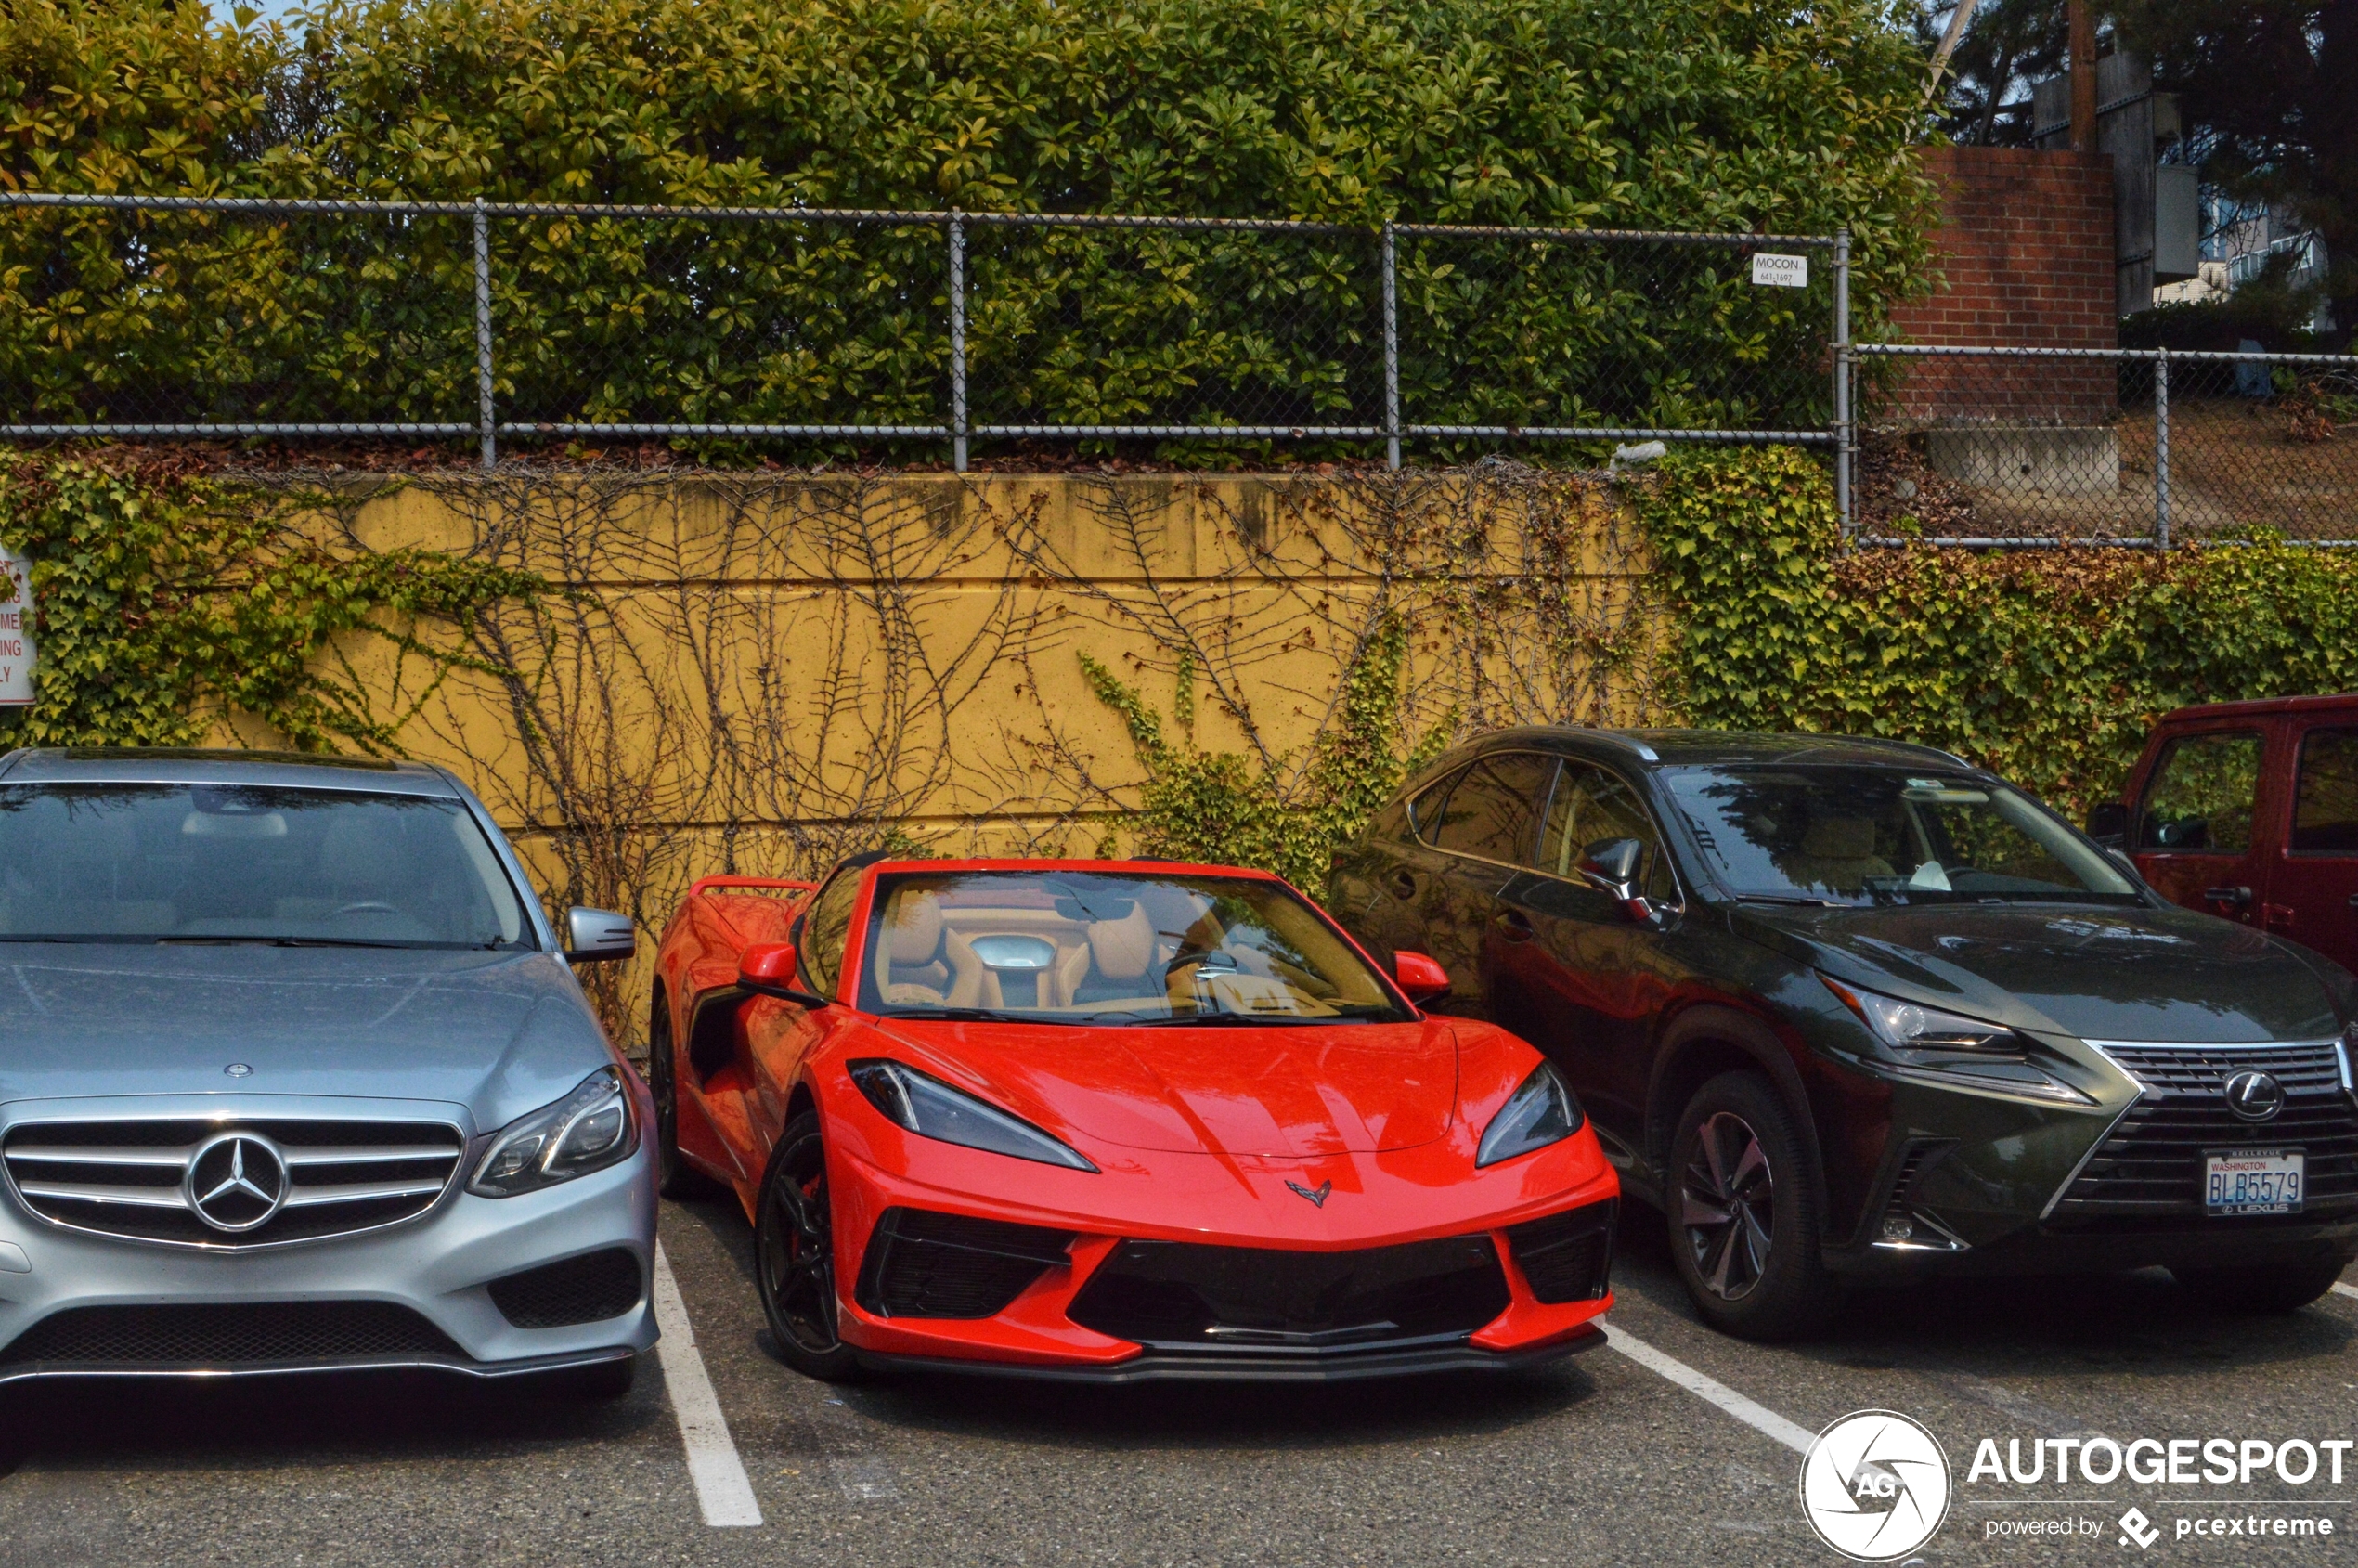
131	1178
924	1263
2150	1166
1178	1295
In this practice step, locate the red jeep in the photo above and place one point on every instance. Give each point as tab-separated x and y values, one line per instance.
2249	810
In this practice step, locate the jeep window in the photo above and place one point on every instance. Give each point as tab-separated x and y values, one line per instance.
2201	798
146	862
2324	811
1878	835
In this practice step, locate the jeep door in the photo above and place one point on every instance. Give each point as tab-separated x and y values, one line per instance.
2198	829
2313	887
1567	967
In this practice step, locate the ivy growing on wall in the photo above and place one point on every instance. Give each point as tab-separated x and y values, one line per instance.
2046	666
1217	806
167	604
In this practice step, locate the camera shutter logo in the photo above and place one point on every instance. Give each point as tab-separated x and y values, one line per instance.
1875	1486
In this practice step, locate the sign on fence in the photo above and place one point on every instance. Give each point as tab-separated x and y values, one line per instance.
1781	272
15	630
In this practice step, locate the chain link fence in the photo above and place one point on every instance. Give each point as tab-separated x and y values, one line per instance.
2008	448
907	337
141	317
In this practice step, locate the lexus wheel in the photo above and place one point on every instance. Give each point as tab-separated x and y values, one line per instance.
679	1178
795	1257
1743	1213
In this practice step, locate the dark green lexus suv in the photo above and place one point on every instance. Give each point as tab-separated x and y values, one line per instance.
1846	1009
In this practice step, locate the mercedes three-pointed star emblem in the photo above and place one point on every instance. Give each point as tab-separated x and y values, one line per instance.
236	1182
1317	1194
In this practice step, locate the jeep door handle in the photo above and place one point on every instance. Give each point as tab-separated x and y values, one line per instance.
1402	885
1513	925
2239	897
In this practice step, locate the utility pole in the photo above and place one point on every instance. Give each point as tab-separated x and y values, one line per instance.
2083	76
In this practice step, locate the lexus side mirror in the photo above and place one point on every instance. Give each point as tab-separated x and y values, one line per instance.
769	969
1420	978
1610	865
2108	823
599	935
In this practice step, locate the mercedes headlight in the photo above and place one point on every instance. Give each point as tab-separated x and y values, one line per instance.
587	1130
931	1108
1540	1112
1951	1049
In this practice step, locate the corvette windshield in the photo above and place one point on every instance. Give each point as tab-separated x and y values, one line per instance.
1882	836
149	863
1110	948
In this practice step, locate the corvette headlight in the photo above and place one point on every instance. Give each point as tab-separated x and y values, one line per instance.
1951	1049
587	1130
1540	1112
931	1108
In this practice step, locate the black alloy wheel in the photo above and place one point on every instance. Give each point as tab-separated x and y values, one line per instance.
678	1178
795	1257
1727	1203
1744	1213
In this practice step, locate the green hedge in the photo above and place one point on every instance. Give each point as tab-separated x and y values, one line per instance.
2046	666
1676	113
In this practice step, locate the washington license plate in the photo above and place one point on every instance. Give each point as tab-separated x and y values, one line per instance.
2265	1181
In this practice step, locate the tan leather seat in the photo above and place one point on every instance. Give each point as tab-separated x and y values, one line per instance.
909	944
1838	854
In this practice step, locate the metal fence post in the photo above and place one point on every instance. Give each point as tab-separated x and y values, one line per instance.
1391	350
958	342
1845	439
485	415
2161	450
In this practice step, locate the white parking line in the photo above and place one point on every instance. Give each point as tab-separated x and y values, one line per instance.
1758	1416
722	1486
2340	1288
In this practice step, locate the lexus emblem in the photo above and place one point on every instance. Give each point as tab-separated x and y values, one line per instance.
236	1182
1317	1194
2255	1096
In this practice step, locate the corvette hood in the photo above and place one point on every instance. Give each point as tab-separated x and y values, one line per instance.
501	1033
2098	972
1282	1092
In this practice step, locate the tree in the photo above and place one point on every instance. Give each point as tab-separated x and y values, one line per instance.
2269	92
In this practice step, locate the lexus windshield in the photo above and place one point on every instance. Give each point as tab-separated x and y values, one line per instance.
148	862
1102	947
1881	836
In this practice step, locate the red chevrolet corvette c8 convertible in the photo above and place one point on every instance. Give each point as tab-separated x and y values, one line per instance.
1112	1120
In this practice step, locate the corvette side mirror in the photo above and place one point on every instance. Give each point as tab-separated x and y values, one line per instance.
599	935
769	969
1420	978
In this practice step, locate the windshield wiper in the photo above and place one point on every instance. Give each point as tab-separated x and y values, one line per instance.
965	1016
1217	1020
1789	898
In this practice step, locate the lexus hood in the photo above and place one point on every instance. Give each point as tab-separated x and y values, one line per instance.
1289	1091
2100	972
499	1033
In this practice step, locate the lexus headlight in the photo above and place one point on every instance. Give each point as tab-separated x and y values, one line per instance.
587	1130
931	1108
1541	1112
1951	1049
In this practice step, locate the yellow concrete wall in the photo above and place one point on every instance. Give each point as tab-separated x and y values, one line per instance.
756	672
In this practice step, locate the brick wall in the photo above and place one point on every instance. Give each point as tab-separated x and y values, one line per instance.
2026	253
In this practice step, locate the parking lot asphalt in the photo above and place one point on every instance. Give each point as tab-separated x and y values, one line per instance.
1628	1455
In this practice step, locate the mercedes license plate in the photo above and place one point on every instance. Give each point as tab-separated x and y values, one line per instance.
2260	1181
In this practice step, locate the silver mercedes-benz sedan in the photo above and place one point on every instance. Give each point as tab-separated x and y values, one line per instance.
295	1076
